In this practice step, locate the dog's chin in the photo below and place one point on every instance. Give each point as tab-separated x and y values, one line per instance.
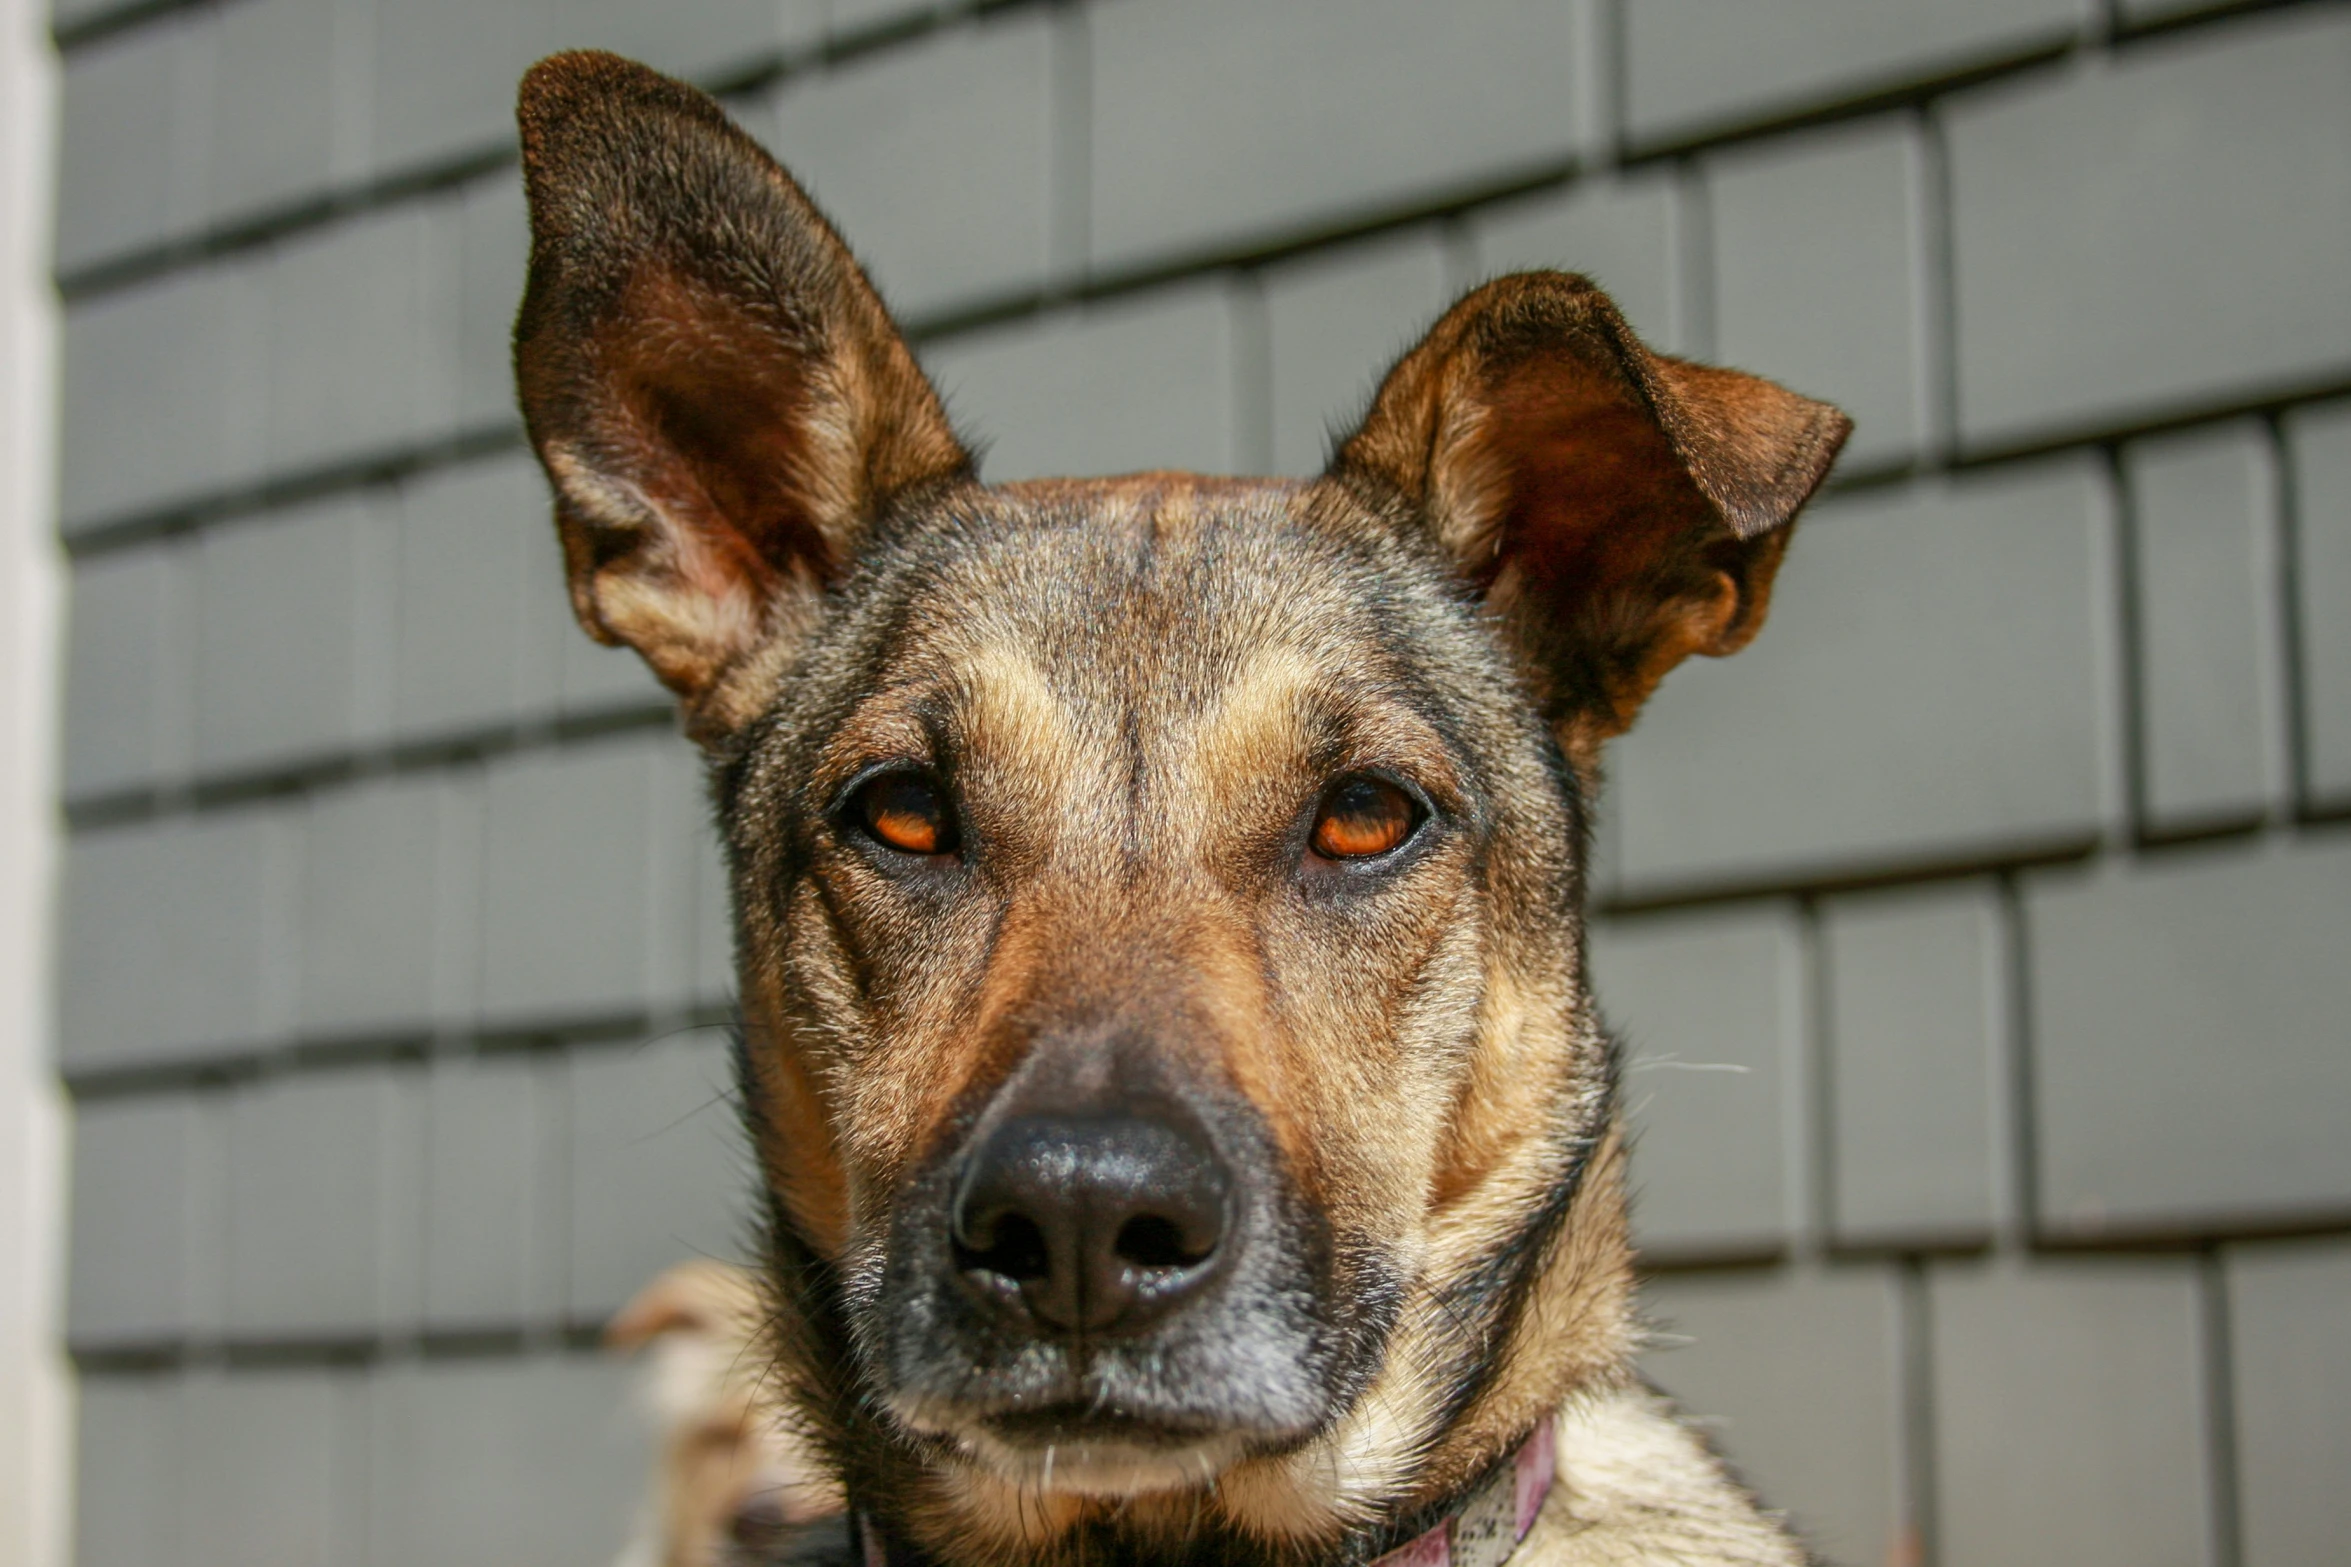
1086	1455
1105	1467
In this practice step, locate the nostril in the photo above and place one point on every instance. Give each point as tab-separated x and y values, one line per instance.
1009	1244
1151	1241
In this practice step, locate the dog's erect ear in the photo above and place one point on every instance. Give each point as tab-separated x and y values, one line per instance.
1621	509
715	390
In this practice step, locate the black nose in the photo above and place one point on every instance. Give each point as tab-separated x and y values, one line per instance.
1095	1224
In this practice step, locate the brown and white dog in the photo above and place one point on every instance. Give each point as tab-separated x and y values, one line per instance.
732	1482
1187	1129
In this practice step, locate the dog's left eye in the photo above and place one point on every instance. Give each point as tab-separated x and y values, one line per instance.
905	811
1363	816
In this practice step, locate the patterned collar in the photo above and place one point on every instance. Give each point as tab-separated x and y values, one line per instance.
1486	1526
1483	1529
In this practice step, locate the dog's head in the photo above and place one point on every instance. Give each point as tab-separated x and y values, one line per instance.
1157	897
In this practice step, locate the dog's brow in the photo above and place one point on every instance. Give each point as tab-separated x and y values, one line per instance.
1273	715
1254	722
1020	731
995	697
1007	696
879	729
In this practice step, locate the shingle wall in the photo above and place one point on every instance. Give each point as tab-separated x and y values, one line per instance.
1979	935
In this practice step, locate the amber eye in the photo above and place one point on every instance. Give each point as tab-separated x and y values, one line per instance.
1361	817
904	811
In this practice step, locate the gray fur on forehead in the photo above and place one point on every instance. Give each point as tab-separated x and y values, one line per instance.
1160	596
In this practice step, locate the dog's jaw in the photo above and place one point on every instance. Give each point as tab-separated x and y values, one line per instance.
1389	1454
1393	1449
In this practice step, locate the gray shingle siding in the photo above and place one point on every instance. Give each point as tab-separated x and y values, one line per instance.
1977	934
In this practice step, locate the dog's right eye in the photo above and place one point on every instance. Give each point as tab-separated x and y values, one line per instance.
905	812
1363	817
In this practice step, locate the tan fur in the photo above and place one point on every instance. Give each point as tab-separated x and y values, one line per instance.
1635	1488
730	1469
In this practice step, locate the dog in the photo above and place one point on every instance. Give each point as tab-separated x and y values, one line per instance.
733	1485
1185	1127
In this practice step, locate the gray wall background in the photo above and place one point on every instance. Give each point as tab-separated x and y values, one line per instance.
1983	934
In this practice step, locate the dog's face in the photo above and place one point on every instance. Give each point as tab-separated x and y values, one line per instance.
1126	863
1157	897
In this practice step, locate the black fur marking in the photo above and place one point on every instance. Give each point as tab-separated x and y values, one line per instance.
1495	1294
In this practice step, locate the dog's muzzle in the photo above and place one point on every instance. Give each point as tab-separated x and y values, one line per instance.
1106	1285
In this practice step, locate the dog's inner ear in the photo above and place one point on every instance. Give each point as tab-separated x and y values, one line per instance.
715	390
1621	510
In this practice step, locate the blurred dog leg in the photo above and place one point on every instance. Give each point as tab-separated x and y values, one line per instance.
730	1486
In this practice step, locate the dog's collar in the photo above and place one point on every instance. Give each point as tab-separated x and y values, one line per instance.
1481	1529
1484	1527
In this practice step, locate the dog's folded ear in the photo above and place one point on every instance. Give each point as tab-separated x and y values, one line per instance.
1620	509
714	388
